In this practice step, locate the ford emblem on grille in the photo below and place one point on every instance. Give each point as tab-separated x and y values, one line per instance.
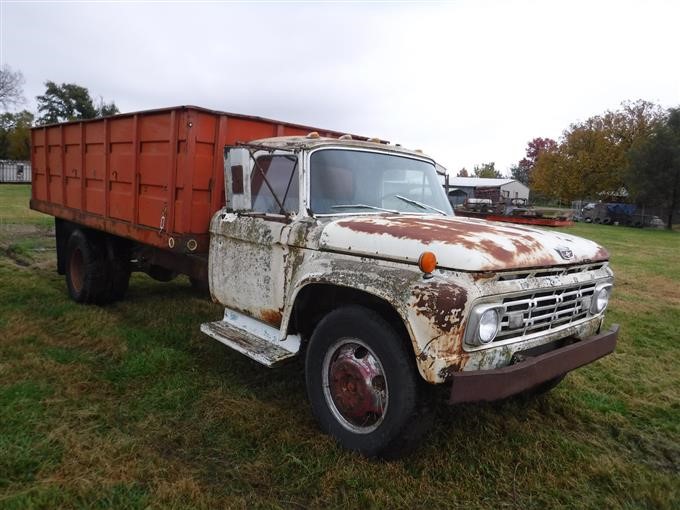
565	252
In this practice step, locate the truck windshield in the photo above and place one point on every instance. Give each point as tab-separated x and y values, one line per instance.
351	181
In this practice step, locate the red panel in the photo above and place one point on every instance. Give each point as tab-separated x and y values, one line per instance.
154	127
72	161
54	172
153	165
120	205
204	127
94	132
121	175
243	130
94	196
38	165
121	162
121	130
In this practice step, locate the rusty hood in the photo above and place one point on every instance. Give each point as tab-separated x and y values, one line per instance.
464	244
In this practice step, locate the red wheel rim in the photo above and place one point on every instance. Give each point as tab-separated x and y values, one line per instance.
355	386
76	269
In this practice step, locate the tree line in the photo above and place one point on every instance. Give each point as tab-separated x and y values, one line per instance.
60	103
631	152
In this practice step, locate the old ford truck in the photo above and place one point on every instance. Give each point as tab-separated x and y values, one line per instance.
341	250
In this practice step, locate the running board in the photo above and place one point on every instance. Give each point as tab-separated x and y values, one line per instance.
253	338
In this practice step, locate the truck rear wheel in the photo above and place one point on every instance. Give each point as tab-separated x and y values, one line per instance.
86	270
362	384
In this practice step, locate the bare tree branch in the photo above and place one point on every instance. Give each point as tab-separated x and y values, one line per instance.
11	87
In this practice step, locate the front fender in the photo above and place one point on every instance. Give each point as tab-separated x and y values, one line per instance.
432	309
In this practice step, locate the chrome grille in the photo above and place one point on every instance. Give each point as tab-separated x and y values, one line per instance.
543	310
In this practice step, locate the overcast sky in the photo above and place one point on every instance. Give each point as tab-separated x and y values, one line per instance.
468	82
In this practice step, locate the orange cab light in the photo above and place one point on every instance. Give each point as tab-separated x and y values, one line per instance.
427	262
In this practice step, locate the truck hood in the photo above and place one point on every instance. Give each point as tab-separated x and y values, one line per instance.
464	244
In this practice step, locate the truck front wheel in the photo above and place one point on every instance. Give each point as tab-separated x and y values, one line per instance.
362	384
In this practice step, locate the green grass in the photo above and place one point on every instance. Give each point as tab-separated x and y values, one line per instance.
14	209
130	406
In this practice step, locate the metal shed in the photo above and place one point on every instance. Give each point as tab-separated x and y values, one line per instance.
461	188
15	171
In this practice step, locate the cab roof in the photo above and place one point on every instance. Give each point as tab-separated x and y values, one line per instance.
307	142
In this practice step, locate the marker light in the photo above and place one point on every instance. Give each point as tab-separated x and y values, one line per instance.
427	262
313	134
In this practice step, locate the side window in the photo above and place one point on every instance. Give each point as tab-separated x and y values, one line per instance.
281	173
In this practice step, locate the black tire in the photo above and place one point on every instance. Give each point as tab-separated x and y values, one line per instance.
87	275
385	418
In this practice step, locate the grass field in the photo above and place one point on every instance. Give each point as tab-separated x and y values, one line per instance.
130	406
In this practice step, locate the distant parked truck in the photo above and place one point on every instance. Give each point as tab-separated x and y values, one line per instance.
339	249
618	214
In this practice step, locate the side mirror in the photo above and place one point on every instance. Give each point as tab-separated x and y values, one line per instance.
237	168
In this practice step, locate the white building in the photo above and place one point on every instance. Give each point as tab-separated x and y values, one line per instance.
15	171
461	188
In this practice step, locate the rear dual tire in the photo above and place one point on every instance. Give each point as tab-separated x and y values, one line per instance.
95	272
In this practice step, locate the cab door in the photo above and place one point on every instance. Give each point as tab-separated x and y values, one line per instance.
248	250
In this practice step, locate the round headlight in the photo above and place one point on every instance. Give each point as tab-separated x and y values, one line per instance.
601	300
488	325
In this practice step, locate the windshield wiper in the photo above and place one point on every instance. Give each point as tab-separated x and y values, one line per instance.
420	204
364	206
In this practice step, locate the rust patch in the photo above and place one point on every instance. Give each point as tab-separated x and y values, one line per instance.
497	251
421	229
272	317
447	373
470	235
526	246
442	303
486	275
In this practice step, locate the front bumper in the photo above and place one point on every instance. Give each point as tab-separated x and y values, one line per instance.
499	383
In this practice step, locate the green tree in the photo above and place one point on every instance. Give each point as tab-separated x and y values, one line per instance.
591	156
654	171
522	171
69	101
487	170
15	135
520	174
11	87
462	173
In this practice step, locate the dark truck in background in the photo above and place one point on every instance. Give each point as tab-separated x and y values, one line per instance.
618	214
